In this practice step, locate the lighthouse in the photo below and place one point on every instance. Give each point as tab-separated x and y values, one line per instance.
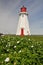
23	23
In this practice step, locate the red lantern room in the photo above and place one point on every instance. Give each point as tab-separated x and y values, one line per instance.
23	9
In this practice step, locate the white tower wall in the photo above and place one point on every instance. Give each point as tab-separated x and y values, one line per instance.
23	23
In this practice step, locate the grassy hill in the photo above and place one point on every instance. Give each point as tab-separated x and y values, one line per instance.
21	50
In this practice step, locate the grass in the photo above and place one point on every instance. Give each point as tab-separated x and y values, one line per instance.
21	50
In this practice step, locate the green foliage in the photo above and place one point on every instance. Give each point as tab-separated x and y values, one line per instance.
27	50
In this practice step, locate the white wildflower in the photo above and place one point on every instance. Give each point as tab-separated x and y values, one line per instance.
6	45
7	59
14	63
1	39
2	62
8	40
20	51
18	41
21	39
29	39
14	46
7	49
14	52
37	42
9	44
32	46
2	54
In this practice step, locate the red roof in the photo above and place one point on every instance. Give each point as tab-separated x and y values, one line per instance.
23	9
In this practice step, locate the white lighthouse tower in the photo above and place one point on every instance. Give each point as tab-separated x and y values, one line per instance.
23	23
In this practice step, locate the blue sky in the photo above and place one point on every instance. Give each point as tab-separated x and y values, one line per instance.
9	15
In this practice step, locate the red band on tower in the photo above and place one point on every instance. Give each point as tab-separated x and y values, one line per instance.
22	31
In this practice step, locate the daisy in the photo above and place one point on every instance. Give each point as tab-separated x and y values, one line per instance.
7	59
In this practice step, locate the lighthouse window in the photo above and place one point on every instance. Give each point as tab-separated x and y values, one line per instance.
22	15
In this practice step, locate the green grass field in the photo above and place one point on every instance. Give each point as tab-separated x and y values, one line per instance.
21	50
